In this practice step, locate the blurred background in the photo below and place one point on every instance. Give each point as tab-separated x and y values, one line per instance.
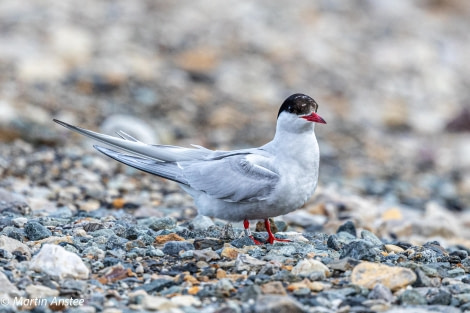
391	79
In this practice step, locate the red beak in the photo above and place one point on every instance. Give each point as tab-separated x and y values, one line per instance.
314	117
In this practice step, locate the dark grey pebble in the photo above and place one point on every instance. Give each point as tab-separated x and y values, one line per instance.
157	285
242	242
35	231
174	247
348	227
360	250
412	297
381	292
462	254
369	236
250	292
157	224
438	296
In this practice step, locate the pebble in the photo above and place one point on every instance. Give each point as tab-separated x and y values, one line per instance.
277	304
174	247
6	287
12	245
57	262
38	291
309	267
369	274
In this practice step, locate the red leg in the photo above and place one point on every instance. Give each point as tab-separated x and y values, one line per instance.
271	237
246	225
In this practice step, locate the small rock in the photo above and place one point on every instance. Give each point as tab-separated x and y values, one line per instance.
159	240
6	287
250	292
394	249
277	304
368	274
11	245
206	255
273	288
13	202
201	222
348	227
343	265
35	231
245	262
438	297
38	291
242	242
157	285
412	297
381	292
369	236
58	262
186	300
157	303
230	253
360	250
157	224
19	221
307	267
204	243
174	247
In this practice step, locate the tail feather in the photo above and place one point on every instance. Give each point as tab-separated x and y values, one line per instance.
130	144
168	170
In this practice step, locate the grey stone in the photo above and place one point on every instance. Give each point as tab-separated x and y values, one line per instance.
412	297
174	247
381	292
35	231
360	250
369	236
348	227
157	224
277	304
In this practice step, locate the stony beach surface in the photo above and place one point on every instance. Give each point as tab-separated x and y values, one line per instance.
386	231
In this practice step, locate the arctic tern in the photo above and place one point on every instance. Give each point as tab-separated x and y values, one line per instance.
240	185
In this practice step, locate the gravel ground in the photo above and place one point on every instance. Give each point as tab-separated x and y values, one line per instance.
386	231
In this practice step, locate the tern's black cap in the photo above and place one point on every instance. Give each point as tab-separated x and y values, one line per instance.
298	104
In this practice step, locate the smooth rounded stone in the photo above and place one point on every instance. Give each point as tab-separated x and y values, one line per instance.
394	249
462	254
309	267
35	231
370	237
381	292
368	274
174	247
277	304
201	222
412	297
12	245
360	250
280	252
57	262
157	224
348	227
38	291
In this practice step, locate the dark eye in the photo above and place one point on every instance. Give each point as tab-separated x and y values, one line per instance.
290	108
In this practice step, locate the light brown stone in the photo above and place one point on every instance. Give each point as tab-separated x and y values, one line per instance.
368	274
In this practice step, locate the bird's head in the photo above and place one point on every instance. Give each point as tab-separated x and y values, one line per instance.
299	110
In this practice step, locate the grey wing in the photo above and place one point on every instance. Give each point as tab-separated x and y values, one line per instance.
236	178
